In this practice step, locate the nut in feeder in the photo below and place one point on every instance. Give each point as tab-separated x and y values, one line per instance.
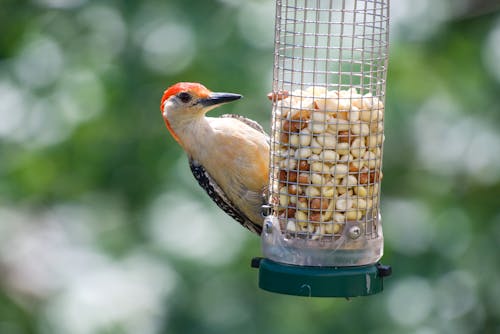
323	236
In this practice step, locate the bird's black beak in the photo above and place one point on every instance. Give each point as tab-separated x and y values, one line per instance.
219	98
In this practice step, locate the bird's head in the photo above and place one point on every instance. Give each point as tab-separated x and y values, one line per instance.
189	99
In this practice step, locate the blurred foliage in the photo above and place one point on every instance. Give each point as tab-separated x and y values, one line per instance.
103	230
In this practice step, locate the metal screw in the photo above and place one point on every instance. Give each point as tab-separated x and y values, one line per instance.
354	232
265	210
268	227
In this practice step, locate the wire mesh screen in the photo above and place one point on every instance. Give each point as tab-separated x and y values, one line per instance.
327	131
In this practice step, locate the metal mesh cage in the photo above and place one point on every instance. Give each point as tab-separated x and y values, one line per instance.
327	132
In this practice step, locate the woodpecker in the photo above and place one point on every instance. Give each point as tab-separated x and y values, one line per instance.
228	155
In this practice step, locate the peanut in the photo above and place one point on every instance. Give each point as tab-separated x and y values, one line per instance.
371	102
302	114
343	203
329	156
277	96
305	137
327	190
303	178
338	217
358	147
315	216
288	163
361	129
320	167
370	159
284	200
346	183
373	190
375	140
369	203
328	212
363	176
317	179
335	125
316	148
293	140
342	148
282	175
375	176
346	158
356	165
360	204
303	226
302	203
317	204
326	140
303	153
326	228
339	170
353	215
371	115
314	157
337	228
287	126
343	136
291	226
377	127
303	165
317	127
312	191
353	114
319	116
349	181
332	103
341	190
290	212
360	191
377	151
284	137
300	216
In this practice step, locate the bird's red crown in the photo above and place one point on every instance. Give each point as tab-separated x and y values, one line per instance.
193	87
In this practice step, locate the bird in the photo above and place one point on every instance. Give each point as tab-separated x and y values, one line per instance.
228	155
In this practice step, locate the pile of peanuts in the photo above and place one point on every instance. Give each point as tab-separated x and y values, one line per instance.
327	160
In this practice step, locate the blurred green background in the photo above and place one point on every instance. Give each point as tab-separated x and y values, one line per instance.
103	229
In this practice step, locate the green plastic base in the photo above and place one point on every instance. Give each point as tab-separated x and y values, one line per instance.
321	281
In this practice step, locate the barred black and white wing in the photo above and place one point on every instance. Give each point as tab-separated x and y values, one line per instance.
219	197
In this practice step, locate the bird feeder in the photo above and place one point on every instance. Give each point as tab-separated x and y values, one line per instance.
322	234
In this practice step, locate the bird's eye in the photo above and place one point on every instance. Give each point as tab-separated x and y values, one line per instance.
184	97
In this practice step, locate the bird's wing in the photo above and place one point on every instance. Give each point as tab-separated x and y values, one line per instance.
219	197
247	121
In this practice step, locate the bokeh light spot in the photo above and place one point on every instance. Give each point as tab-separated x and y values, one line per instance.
39	63
410	300
455	294
407	225
256	24
61	3
12	109
449	143
182	226
491	51
107	33
169	48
